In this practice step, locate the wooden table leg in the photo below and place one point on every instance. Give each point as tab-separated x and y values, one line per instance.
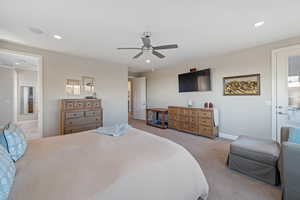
163	119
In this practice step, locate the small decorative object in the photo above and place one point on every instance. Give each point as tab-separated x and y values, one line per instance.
95	95
88	84
193	70
210	105
190	103
206	105
242	85
92	97
73	87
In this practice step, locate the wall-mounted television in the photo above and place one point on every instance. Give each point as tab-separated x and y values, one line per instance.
195	81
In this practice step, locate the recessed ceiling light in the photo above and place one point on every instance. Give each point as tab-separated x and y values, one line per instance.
148	61
58	37
259	24
17	63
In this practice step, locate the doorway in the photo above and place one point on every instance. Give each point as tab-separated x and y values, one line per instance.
130	104
24	96
286	89
137	101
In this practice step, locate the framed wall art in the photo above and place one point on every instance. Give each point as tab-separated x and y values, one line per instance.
73	87
242	85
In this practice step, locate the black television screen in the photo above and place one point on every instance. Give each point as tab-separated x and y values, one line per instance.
195	81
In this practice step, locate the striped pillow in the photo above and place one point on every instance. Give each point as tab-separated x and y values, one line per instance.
7	173
16	141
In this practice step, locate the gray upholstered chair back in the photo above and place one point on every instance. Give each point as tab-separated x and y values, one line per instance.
284	134
289	166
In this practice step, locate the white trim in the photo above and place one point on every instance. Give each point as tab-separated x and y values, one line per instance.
274	94
228	136
275	53
289	48
7	67
15	100
39	84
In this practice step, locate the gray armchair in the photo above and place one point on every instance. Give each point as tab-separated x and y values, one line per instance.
289	167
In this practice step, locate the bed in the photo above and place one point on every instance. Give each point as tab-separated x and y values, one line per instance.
92	166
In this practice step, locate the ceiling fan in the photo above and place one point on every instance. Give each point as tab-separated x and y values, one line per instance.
148	47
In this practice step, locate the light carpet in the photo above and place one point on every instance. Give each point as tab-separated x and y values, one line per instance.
224	183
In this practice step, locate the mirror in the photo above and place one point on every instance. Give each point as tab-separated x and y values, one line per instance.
27	100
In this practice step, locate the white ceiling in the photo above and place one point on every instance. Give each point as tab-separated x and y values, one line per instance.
95	28
18	61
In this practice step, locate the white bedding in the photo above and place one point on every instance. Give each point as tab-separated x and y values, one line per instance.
92	166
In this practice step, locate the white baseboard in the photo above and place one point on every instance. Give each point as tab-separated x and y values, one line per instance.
228	136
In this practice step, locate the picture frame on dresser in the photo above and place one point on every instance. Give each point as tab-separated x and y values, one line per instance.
88	84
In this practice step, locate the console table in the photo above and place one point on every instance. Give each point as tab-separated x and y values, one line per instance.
198	121
157	117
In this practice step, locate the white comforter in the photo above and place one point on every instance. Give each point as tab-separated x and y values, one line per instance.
91	166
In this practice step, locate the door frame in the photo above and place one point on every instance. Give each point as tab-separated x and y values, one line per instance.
146	103
39	85
131	96
275	52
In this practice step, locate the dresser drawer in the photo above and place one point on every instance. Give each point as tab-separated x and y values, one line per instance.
97	104
92	113
194	127
194	113
186	112
80	115
206	131
194	119
71	115
78	105
185	126
205	122
205	114
81	128
88	104
80	121
69	105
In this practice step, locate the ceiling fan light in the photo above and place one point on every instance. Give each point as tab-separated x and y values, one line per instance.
148	61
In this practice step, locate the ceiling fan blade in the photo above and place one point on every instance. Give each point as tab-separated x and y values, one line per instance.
169	46
138	55
156	53
128	48
146	41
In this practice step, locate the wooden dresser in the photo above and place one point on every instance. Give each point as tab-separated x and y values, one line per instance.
80	115
198	121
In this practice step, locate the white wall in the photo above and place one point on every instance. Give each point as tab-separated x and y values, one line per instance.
239	115
6	95
111	84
